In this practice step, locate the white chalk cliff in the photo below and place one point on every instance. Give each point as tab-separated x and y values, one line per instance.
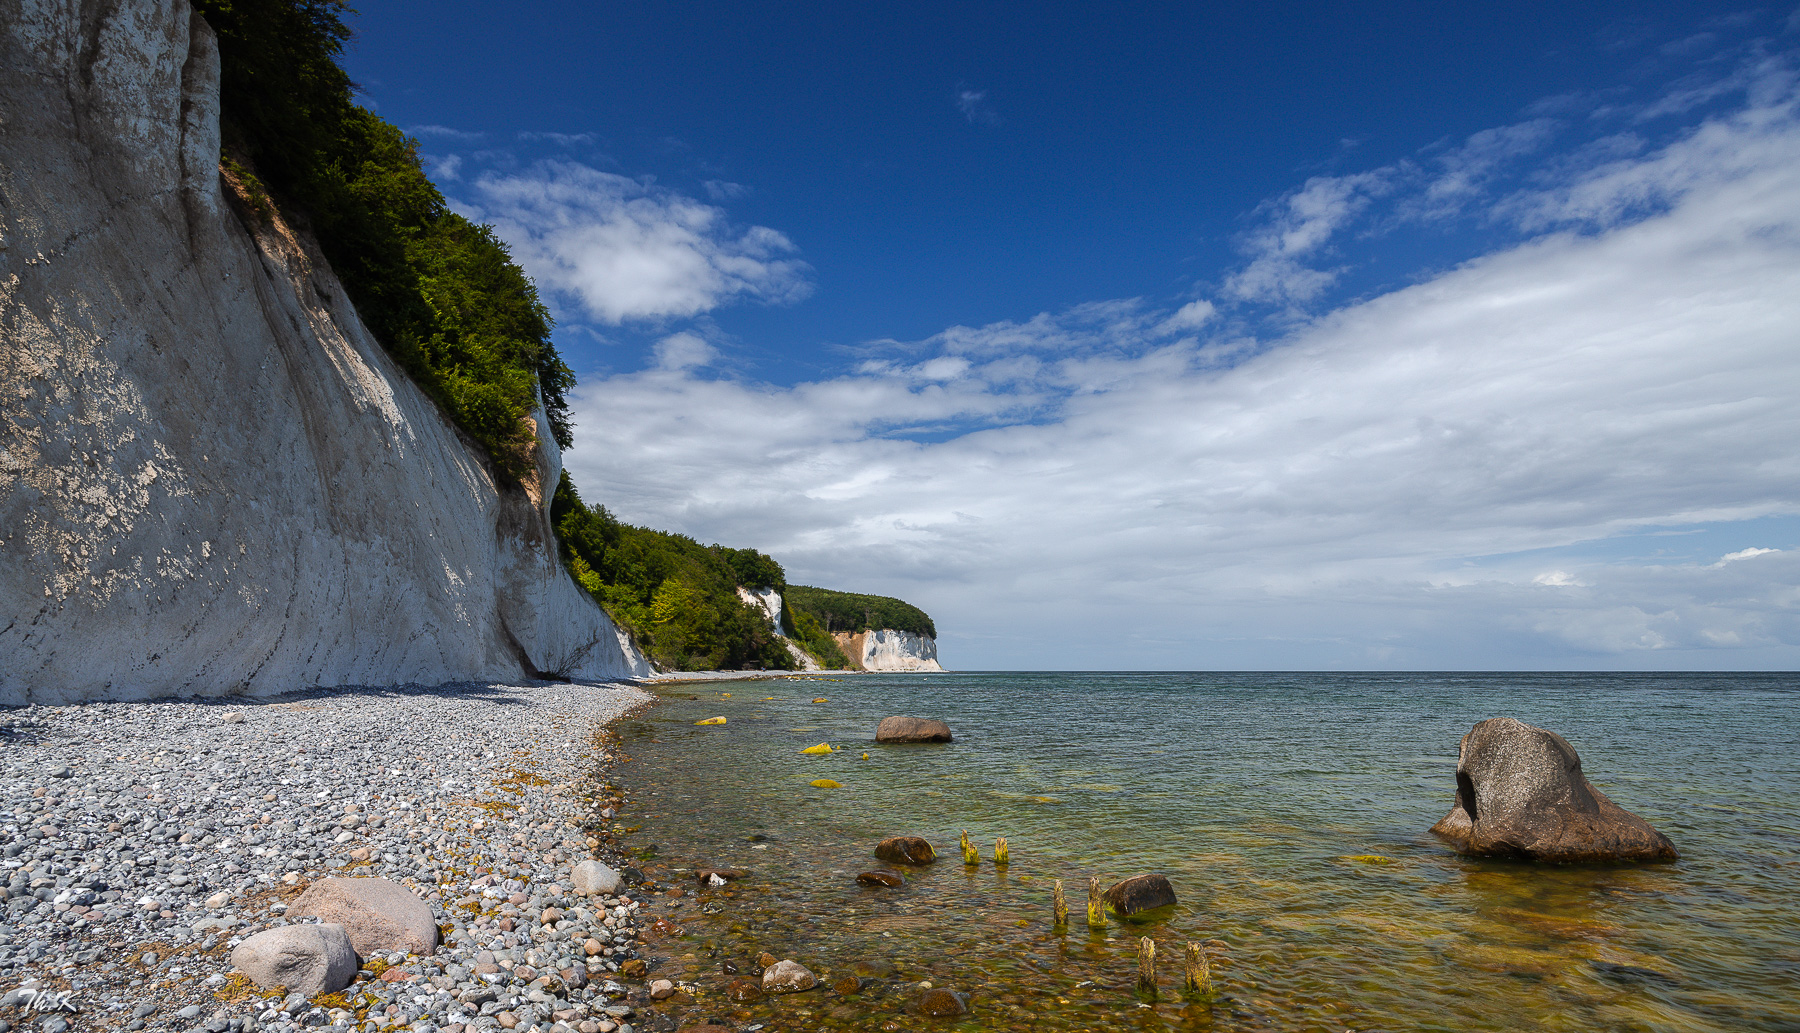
213	480
885	649
767	602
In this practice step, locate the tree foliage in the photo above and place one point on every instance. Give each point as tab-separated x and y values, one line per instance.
678	598
853	612
441	293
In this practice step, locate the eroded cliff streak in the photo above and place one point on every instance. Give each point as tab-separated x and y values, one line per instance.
212	479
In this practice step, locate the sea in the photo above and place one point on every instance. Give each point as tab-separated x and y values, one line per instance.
1288	811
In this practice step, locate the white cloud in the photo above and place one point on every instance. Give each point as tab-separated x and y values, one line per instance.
1191	316
1743	554
630	250
1298	227
1078	489
683	351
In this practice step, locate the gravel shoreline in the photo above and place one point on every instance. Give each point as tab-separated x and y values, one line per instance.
142	841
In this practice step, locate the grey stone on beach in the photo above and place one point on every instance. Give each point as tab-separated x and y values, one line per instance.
911	729
594	877
379	915
307	959
1520	792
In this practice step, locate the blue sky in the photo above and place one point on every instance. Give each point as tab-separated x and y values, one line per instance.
1395	335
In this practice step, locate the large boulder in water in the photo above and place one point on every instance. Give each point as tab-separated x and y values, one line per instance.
1140	893
905	850
1520	793
912	729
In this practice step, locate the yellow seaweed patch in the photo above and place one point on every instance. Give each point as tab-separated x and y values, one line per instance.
821	748
825	783
1368	859
711	721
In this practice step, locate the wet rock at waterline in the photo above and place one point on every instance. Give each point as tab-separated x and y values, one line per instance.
1140	893
911	729
744	991
941	1004
1520	792
787	977
307	959
379	915
594	879
905	850
880	879
718	876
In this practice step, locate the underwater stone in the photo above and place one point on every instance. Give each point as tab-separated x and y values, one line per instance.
912	729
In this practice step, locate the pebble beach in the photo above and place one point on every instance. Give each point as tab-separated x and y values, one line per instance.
143	841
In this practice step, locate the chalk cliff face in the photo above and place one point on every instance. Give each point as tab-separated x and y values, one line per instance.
885	649
212	479
767	601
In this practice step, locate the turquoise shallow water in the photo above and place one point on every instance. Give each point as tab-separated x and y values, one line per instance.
1290	813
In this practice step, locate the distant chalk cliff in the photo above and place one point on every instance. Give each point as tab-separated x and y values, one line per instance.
884	649
213	480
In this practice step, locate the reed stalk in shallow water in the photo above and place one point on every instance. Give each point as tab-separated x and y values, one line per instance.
1059	906
1198	984
1147	967
1096	905
971	856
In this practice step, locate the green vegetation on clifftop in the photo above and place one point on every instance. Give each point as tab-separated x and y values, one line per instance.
678	598
440	293
853	612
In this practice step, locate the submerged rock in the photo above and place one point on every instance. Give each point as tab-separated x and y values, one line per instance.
307	959
379	915
1520	793
912	729
743	991
941	1004
905	850
788	977
1140	893
880	879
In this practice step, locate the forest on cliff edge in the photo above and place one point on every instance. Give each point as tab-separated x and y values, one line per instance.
445	298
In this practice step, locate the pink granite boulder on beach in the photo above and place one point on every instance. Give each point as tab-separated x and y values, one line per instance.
379	915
